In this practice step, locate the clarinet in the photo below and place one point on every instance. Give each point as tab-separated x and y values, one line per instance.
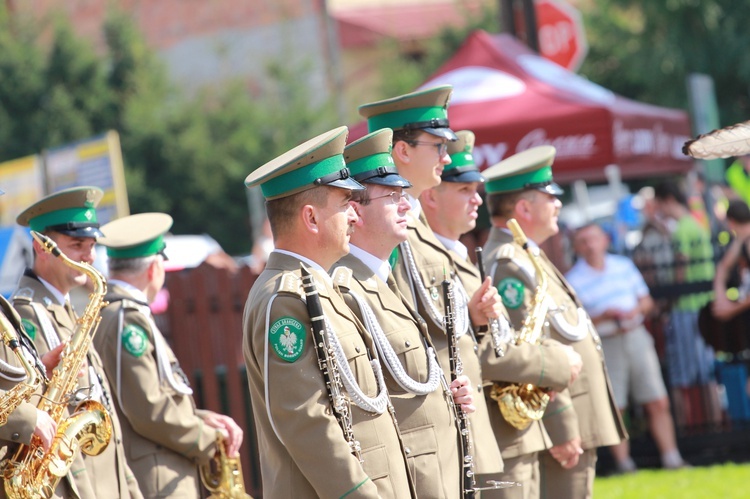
468	485
494	323
327	363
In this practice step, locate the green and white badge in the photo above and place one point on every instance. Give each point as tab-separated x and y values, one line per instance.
511	291
29	327
134	339
287	338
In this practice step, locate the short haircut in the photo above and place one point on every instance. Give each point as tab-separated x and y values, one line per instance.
407	135
130	266
282	211
738	211
670	189
502	204
362	197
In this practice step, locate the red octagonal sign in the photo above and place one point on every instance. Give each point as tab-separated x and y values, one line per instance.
561	35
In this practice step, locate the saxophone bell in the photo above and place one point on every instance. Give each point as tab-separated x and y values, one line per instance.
222	475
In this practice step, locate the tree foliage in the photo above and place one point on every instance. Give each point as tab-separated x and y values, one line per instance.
184	155
645	50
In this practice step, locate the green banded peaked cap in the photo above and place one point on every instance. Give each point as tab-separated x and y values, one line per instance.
425	110
369	160
319	161
70	211
462	167
136	236
530	169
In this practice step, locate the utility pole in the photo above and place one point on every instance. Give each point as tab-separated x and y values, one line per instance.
512	11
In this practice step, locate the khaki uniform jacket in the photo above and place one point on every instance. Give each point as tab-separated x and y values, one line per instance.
22	421
105	475
427	422
540	365
303	450
587	410
432	261
164	437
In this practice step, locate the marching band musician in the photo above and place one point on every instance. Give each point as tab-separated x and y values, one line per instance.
165	436
451	209
421	133
309	446
521	187
68	217
414	378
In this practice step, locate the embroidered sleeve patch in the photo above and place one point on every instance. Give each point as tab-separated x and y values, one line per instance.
511	291
29	327
134	339
287	338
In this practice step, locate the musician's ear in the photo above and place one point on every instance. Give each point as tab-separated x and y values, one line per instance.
523	209
429	198
310	218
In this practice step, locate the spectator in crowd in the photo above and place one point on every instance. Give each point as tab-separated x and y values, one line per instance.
736	259
738	177
617	299
689	360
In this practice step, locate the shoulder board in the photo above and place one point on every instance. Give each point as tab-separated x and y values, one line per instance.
25	294
289	282
342	277
507	251
130	304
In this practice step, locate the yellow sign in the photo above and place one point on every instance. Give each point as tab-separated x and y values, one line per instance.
23	183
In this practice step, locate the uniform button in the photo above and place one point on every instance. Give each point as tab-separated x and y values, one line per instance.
408	343
356	349
407	451
15	436
479	388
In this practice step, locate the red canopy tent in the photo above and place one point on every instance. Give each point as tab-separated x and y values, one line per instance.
513	99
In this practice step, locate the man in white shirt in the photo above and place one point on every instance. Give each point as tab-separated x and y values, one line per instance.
616	297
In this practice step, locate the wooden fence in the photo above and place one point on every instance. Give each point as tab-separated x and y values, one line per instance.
203	323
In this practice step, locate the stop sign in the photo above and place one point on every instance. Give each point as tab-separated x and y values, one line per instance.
561	35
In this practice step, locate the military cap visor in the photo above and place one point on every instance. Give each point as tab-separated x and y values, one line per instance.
136	236
425	110
317	162
462	175
530	169
370	162
71	212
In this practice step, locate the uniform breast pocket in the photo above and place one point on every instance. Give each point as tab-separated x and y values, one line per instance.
412	355
581	385
359	362
421	451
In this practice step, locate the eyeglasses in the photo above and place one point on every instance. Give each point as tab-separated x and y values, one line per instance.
442	147
395	196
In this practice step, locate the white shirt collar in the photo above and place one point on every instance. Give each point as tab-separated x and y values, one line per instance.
135	292
307	262
381	268
61	298
416	206
457	246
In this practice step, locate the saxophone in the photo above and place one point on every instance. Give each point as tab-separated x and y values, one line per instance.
32	472
222	476
522	404
24	390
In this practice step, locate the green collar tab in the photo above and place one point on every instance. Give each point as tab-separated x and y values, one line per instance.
398	119
521	181
81	214
301	177
148	248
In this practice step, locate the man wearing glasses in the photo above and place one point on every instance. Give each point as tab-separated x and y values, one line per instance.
421	133
414	378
